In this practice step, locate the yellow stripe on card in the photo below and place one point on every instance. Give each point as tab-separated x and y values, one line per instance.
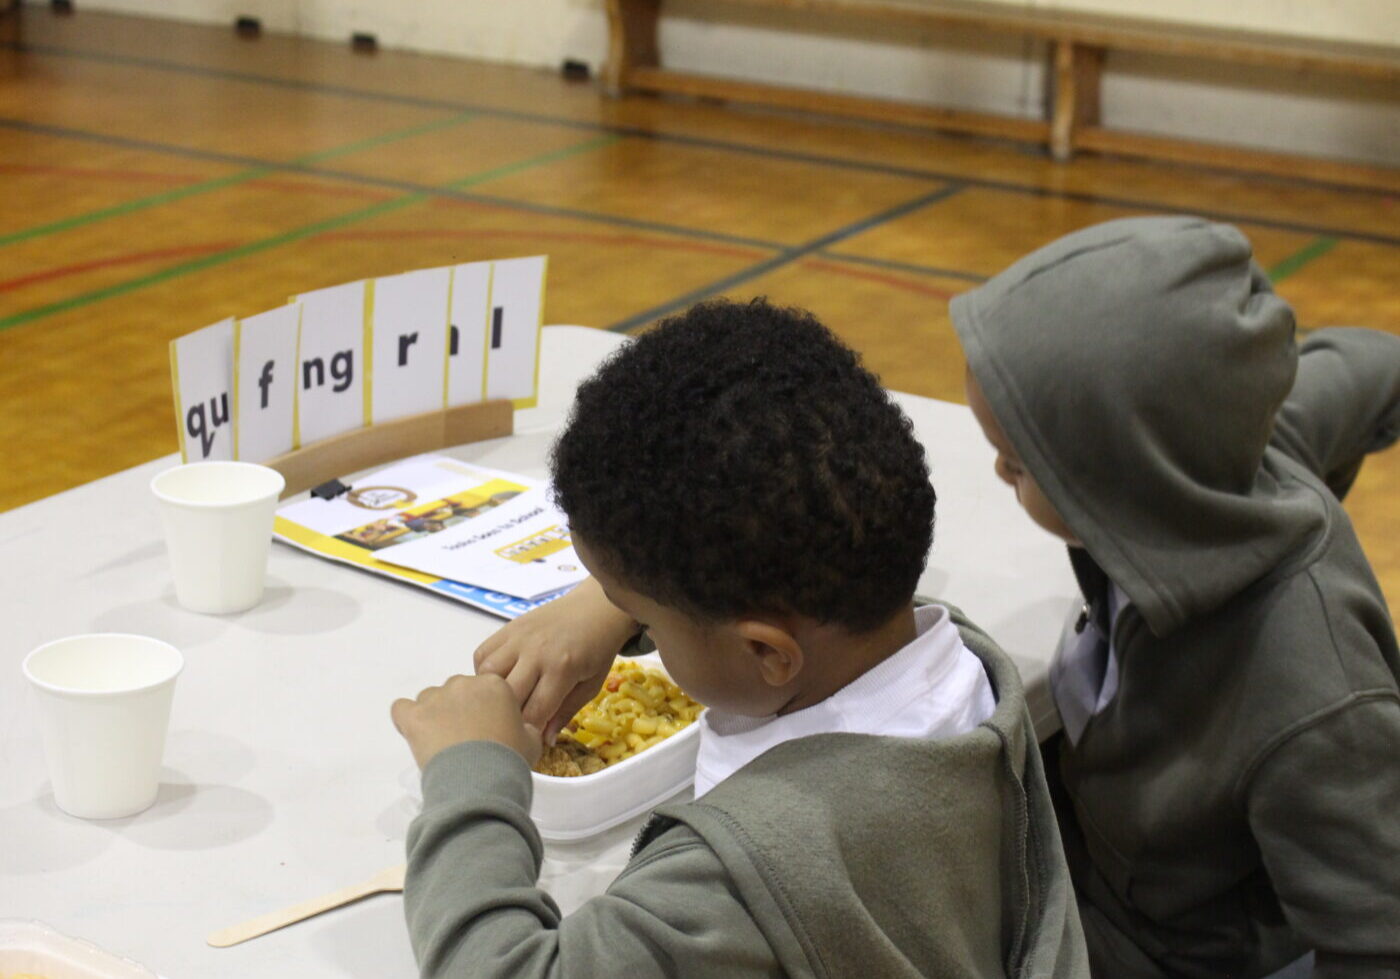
486	340
237	342
534	397
367	358
447	339
179	404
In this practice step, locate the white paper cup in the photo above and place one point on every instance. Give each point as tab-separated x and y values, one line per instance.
218	528
104	706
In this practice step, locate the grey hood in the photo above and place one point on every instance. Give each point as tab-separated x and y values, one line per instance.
1136	367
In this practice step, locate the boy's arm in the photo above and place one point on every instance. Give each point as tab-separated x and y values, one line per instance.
474	911
1325	809
1345	403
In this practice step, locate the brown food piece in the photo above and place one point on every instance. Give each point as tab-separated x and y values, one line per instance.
566	757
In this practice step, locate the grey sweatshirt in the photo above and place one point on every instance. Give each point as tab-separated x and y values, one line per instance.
829	856
1238	801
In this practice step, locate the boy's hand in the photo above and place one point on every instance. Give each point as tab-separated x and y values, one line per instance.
465	708
556	657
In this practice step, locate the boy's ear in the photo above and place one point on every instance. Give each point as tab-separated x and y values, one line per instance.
777	651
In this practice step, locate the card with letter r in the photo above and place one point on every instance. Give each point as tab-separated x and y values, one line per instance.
410	343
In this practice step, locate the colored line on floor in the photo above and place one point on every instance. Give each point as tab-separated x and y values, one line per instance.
401	186
884	263
147	176
135	258
767	152
261	169
96	173
1313	250
624	240
894	281
786	257
298	234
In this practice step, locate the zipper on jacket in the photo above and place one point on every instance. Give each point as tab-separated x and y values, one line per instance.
1083	619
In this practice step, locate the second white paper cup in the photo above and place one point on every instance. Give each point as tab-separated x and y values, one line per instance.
104	706
218	529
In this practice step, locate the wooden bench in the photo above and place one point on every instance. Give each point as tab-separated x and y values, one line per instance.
1078	43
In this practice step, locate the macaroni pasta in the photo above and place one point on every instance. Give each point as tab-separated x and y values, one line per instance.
637	707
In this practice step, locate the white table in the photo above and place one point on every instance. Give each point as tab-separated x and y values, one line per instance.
283	772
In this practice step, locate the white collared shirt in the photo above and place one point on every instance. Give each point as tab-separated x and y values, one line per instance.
935	687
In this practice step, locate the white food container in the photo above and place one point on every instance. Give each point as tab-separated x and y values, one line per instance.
580	806
29	947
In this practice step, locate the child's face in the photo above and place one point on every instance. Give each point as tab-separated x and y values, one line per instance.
719	664
1010	469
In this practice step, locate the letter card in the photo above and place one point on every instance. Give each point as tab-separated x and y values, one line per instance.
330	379
201	373
513	330
266	373
466	342
409	337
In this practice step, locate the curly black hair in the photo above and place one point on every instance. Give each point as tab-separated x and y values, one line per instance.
738	459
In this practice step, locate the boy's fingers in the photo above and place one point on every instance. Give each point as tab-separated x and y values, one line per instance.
398	712
557	723
535	744
522	679
545	699
484	652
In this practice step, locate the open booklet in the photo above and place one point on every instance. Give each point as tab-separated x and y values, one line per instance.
490	539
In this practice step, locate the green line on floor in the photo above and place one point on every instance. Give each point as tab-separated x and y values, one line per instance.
1312	250
298	234
242	176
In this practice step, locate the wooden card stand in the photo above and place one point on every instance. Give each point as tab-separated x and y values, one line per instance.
376	445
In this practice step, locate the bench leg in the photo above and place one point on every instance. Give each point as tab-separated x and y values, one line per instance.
1074	98
10	22
631	40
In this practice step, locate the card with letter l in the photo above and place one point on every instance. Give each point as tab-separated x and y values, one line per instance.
266	374
513	329
331	361
201	372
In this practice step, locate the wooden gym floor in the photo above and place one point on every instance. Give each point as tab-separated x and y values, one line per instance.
158	177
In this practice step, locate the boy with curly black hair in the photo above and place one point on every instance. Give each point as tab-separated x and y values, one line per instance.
869	794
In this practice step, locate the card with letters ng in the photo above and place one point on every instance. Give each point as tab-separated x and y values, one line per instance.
488	538
358	354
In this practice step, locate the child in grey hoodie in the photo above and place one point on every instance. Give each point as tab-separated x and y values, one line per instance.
1228	779
871	797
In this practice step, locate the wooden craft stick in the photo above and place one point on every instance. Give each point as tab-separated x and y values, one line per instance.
389	879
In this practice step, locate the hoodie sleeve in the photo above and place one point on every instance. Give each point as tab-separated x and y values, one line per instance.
1344	404
474	909
1325	809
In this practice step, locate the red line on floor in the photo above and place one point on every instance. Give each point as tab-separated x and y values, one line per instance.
132	259
175	179
912	285
138	176
674	244
332	190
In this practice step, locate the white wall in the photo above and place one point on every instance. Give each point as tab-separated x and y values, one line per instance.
1301	112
